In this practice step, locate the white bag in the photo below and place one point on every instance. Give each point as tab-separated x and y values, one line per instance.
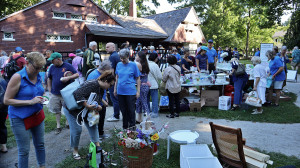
252	100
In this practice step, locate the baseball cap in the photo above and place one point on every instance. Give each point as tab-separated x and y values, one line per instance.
18	49
78	51
204	48
139	44
72	55
54	56
210	41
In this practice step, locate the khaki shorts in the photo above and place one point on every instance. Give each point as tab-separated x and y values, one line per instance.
55	104
277	84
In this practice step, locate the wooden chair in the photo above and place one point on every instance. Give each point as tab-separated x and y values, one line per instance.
229	145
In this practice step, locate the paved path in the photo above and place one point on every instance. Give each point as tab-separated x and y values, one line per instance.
283	138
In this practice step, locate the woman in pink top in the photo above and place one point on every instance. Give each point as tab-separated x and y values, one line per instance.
76	62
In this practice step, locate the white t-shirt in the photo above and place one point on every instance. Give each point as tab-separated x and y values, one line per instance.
261	72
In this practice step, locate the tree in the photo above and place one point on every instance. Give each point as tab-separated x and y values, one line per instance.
121	7
292	37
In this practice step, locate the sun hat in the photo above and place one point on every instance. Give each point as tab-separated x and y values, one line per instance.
204	48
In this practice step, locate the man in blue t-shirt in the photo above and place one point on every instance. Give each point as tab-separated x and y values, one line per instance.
114	58
212	56
257	53
58	78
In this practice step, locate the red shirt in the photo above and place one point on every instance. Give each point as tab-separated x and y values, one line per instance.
20	62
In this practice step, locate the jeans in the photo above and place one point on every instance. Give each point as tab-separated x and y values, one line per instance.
127	105
173	97
23	141
102	114
115	102
239	84
75	130
3	129
154	96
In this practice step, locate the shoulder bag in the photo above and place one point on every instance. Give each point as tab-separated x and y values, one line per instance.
240	70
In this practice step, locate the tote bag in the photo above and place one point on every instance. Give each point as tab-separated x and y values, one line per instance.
67	95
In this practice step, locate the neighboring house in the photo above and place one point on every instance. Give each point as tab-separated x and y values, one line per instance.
182	26
71	24
278	38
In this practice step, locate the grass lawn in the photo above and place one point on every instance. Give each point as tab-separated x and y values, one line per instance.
50	124
160	160
287	112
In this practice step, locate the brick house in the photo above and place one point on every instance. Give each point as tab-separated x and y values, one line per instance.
71	24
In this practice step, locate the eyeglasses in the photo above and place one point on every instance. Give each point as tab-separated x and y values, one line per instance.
36	68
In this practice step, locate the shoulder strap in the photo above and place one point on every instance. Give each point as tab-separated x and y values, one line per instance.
175	69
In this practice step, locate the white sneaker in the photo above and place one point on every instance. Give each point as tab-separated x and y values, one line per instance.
112	119
257	112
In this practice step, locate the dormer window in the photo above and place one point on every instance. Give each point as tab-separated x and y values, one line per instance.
59	15
91	18
8	36
76	17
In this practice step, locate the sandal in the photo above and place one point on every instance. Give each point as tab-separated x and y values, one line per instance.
3	151
76	156
57	131
176	115
234	108
170	116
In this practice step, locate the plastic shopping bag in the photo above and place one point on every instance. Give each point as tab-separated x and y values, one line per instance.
252	100
269	81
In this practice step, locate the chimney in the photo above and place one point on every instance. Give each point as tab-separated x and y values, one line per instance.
132	9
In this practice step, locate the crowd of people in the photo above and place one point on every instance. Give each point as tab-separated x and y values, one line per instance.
130	77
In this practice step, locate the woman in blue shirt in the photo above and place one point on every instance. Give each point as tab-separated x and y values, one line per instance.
186	62
127	75
202	59
239	83
278	76
24	97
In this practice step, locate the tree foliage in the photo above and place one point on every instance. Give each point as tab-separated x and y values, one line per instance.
292	37
10	6
229	22
121	7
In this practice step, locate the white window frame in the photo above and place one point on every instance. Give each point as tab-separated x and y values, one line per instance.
59	17
76	15
8	39
92	21
59	38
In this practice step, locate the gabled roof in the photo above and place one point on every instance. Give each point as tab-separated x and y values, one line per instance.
279	34
170	25
130	27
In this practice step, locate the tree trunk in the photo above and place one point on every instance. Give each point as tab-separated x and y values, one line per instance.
248	32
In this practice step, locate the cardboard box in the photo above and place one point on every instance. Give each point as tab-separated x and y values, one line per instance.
224	102
211	97
196	106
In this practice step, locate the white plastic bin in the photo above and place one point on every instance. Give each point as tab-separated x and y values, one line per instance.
193	151
203	163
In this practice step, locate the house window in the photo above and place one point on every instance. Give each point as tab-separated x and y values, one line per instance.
91	18
76	17
59	15
58	38
8	36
